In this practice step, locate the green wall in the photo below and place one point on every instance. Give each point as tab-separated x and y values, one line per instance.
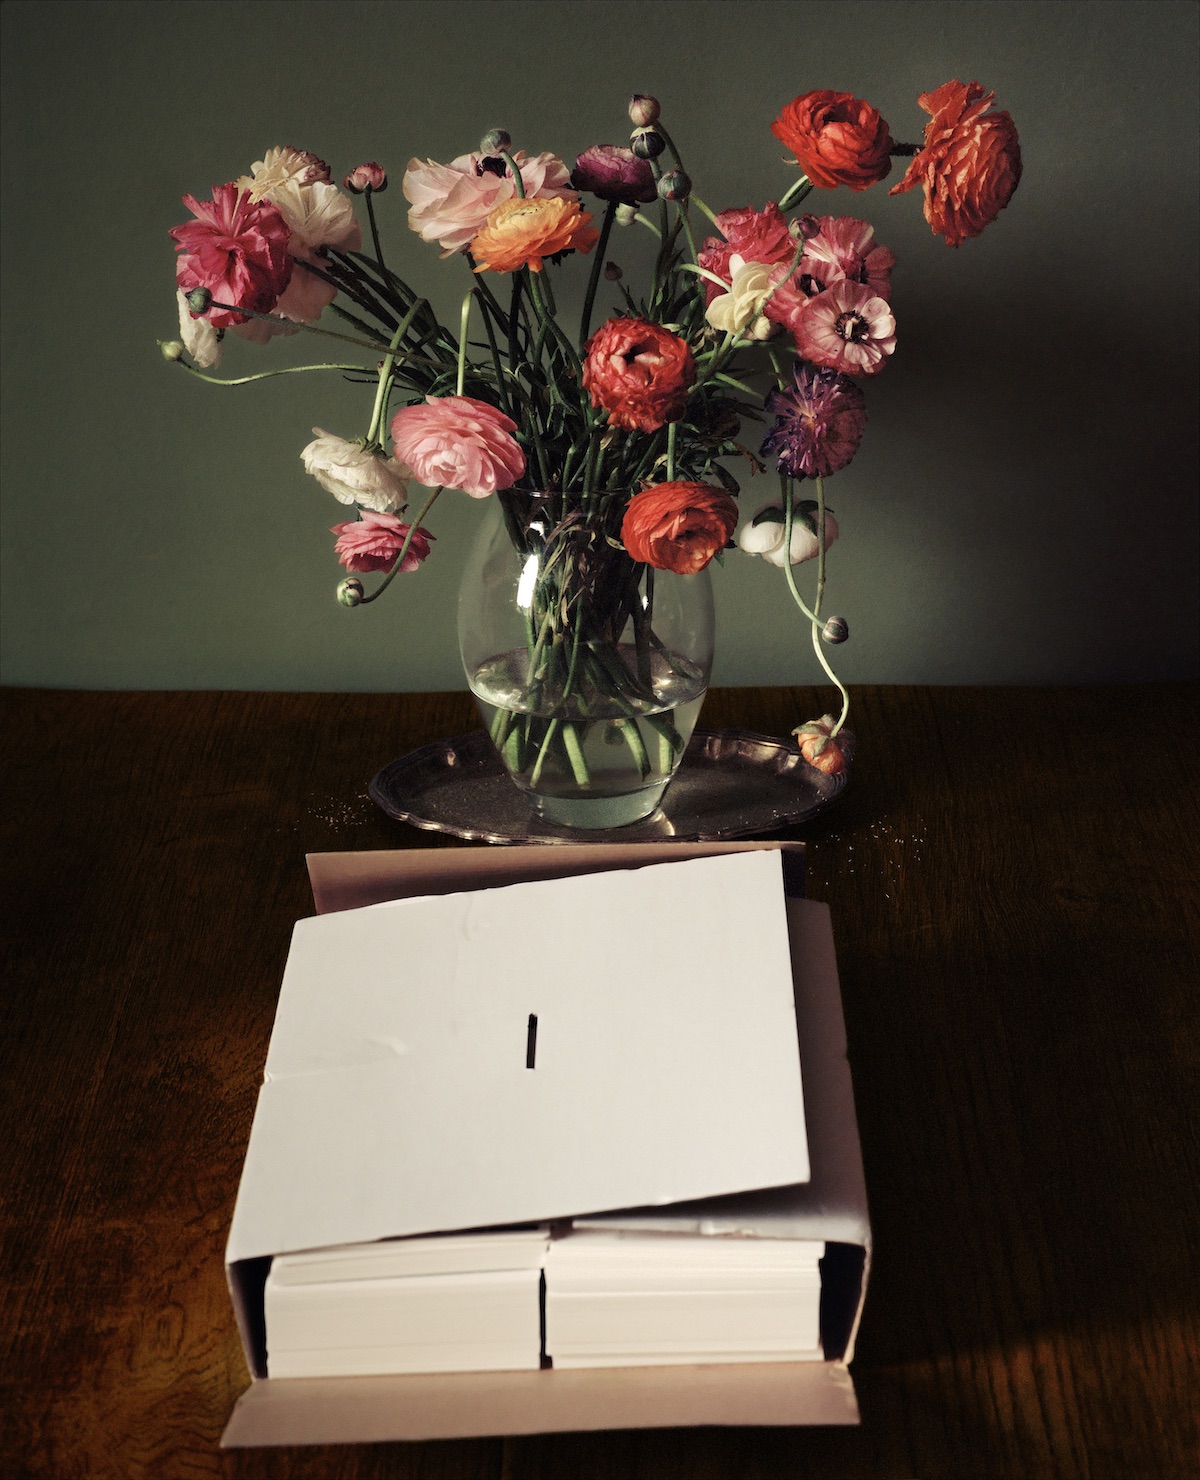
1024	505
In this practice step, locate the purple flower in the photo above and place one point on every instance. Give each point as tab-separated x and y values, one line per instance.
615	174
819	422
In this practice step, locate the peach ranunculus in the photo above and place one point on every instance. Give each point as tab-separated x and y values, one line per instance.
970	163
519	233
640	373
837	139
458	442
355	475
374	541
678	526
451	202
821	748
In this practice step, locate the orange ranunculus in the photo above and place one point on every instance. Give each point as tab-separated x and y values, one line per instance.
970	163
821	748
678	526
519	233
837	139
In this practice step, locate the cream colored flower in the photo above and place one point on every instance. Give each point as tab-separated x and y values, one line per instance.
278	168
750	284
355	476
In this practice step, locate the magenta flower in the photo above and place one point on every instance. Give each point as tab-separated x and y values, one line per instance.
458	442
236	249
844	248
847	328
374	541
819	422
614	174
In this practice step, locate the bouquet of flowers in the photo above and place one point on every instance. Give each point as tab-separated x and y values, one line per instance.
585	619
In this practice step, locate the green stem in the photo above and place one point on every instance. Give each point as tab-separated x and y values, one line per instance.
813	616
464	318
585	323
518	183
264	374
705	209
672	427
375	230
795	193
399	560
379	411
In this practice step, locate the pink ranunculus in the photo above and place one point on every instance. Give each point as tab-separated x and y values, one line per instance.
458	442
370	176
235	248
847	328
614	174
845	248
374	541
450	203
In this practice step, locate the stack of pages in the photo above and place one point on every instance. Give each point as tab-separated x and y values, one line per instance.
452	1079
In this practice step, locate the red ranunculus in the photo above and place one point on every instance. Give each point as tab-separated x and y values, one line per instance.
837	139
639	373
970	163
236	249
678	526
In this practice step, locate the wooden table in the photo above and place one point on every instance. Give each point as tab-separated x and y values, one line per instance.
1013	875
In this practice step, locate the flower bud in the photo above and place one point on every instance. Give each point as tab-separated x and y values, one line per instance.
626	215
365	177
836	630
761	329
350	591
674	185
172	350
643	109
494	140
612	274
198	300
647	143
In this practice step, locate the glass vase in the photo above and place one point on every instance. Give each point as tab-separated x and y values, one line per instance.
589	668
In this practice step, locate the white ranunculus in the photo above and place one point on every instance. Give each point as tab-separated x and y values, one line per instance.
355	476
200	339
764	536
750	283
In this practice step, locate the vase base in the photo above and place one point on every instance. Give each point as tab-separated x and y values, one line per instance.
594	814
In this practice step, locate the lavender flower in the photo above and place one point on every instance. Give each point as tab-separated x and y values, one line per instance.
819	422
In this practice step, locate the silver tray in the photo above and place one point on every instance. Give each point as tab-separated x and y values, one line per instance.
732	783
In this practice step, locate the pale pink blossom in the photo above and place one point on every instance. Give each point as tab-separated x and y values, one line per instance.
845	248
450	203
847	328
355	475
458	442
200	339
370	176
374	541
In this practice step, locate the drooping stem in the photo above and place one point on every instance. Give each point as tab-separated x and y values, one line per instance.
398	563
379	411
265	374
813	617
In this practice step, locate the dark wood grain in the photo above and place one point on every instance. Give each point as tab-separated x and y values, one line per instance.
1014	879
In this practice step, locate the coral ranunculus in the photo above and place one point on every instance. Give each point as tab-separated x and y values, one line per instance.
678	526
640	373
236	249
756	236
374	541
458	442
837	139
970	164
519	233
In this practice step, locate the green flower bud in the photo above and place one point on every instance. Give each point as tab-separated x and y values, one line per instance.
494	140
836	630
350	591
172	350
199	299
674	185
647	143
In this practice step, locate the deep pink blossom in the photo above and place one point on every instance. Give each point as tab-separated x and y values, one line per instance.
843	247
374	541
756	236
236	249
614	174
458	442
847	328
